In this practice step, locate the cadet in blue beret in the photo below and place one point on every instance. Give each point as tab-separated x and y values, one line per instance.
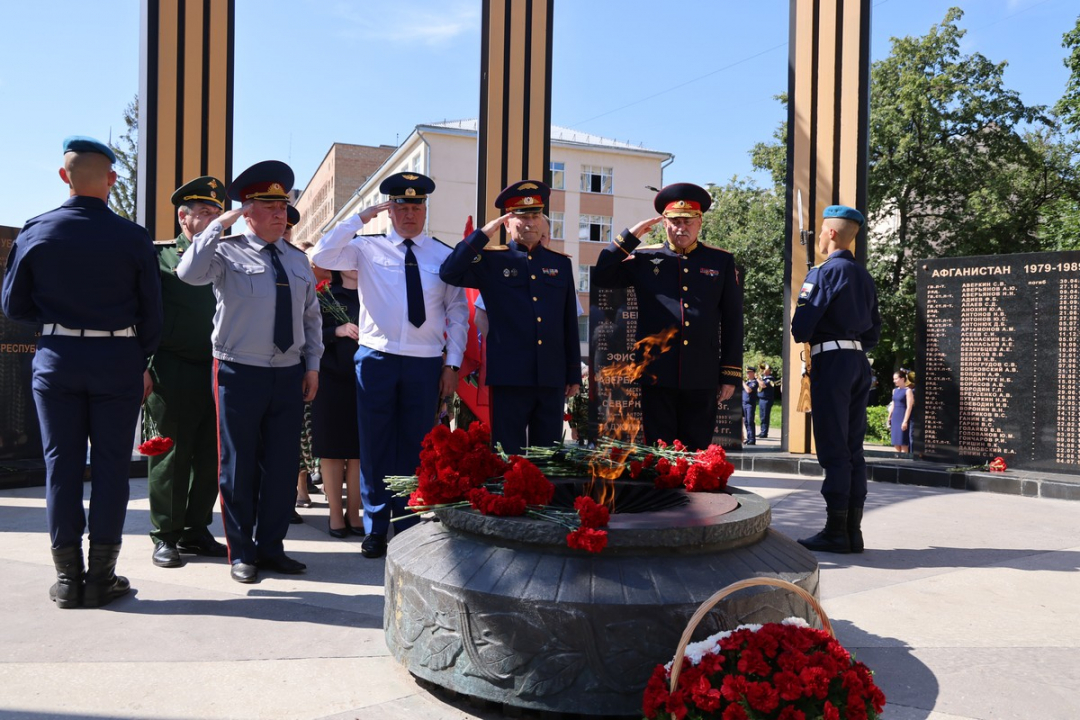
533	355
837	315
689	294
183	483
267	345
412	328
90	279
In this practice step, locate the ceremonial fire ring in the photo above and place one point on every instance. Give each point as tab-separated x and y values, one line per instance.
501	609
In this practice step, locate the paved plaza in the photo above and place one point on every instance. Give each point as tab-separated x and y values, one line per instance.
964	605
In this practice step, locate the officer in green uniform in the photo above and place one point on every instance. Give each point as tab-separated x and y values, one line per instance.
183	482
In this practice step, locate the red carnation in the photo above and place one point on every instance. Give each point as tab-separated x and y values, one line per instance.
831	712
998	465
156	445
587	539
525	480
735	712
323	286
592	513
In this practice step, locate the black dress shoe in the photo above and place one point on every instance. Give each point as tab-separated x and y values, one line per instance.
244	572
353	529
204	545
283	564
338	533
166	555
296	519
374	546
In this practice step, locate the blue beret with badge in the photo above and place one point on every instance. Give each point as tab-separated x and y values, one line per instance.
843	212
82	143
412	188
527	196
266	180
205	189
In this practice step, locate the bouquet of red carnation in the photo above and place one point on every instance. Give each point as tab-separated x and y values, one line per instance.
153	443
776	671
330	305
998	465
458	469
667	466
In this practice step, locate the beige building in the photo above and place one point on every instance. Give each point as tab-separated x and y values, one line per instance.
345	168
599	186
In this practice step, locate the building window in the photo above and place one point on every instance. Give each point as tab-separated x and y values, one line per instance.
583	328
558	175
556	225
596	179
596	228
583	278
416	163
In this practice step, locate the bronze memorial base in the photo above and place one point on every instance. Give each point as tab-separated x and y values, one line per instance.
501	609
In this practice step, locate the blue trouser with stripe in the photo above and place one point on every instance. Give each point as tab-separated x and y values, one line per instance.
260	411
397	399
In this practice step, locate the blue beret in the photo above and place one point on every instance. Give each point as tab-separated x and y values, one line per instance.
844	213
81	143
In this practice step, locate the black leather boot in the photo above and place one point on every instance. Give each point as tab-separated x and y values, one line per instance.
834	538
103	585
854	529
66	592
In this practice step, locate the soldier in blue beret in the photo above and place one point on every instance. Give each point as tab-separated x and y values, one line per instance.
533	355
90	279
689	300
412	328
837	315
267	345
183	482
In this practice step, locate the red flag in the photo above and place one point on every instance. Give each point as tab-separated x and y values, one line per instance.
474	395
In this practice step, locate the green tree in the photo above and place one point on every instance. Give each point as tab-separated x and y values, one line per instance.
950	172
1068	107
124	193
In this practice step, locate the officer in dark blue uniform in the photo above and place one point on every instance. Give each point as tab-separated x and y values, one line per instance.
689	308
749	403
267	345
534	359
837	314
91	279
766	396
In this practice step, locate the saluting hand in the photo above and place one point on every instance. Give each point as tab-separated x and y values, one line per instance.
645	226
229	217
493	227
368	214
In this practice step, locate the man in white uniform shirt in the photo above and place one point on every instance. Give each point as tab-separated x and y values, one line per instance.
408	317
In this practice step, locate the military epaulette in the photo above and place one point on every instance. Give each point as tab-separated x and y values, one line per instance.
442	243
557	252
649	247
494	248
164	243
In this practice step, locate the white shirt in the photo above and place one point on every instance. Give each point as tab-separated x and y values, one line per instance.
380	264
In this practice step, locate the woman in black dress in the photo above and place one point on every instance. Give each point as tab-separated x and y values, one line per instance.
335	437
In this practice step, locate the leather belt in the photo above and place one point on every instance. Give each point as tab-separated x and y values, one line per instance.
835	345
58	329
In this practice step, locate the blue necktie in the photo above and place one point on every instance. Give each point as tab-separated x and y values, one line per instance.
283	337
414	291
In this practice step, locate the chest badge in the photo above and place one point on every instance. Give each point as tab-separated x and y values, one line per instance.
710	272
550	272
656	265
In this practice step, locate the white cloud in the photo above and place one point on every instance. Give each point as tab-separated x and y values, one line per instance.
431	23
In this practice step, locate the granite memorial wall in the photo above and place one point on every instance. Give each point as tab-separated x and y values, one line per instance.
998	361
20	436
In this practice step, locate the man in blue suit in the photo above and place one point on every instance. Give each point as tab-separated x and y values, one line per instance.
534	359
90	278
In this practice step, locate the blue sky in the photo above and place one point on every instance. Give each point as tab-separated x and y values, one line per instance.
695	79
